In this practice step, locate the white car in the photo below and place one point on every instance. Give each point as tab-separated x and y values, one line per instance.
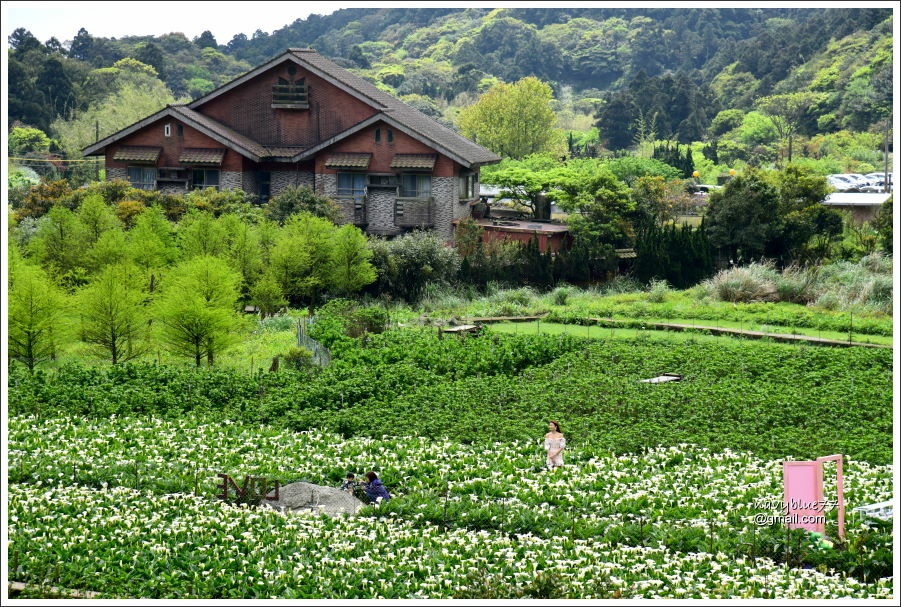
877	182
843	183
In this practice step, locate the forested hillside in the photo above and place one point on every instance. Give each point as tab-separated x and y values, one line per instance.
634	74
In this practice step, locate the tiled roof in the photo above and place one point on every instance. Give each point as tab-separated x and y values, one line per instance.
401	112
392	110
348	160
220	129
413	161
136	153
201	156
283	152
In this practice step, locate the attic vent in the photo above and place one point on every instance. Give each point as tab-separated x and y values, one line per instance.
286	95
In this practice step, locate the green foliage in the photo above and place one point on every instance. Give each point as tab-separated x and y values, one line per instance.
629	169
35	315
743	219
24	140
406	264
495	387
197	308
302	199
267	295
681	256
298	359
514	120
112	313
884	225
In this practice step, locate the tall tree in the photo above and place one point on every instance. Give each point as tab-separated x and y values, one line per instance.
787	112
206	39
743	220
198	308
112	312
350	260
514	120
34	313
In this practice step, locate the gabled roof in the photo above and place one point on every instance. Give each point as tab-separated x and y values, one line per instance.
206	125
409	119
391	110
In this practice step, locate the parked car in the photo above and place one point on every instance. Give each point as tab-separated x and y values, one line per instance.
843	183
877	183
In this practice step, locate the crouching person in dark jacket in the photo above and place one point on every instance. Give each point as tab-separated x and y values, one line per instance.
374	489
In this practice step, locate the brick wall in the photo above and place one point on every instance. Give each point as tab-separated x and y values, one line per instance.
248	109
172	146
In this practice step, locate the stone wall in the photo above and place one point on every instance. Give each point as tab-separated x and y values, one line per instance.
447	205
172	188
249	182
380	211
282	180
326	184
231	180
116	173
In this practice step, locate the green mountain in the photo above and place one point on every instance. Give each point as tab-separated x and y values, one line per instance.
683	65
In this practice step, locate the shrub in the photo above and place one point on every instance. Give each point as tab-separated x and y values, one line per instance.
756	282
296	199
657	291
560	295
298	358
371	319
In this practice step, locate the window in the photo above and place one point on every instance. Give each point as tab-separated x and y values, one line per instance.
388	180
180	130
264	188
468	186
167	130
290	95
205	178
413	185
143	178
378	135
351	185
390	136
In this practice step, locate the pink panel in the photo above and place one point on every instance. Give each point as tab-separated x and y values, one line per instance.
804	496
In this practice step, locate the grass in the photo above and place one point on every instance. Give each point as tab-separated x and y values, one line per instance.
553	328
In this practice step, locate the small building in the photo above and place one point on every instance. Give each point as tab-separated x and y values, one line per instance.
863	206
301	120
551	237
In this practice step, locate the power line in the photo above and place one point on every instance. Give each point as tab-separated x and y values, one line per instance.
55	160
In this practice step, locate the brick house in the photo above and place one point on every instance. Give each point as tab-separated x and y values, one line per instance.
302	120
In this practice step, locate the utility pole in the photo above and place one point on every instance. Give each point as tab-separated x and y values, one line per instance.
887	187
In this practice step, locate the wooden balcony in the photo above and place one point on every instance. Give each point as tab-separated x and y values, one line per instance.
290	96
414	212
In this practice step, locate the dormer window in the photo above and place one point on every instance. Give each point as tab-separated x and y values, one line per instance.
290	95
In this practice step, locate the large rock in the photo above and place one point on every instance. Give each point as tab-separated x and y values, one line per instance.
306	497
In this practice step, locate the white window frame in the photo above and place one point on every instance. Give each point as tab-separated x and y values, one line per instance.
167	130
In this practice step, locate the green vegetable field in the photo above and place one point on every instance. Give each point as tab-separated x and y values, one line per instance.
112	471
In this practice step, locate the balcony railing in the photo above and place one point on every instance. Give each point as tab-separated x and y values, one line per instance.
414	212
290	96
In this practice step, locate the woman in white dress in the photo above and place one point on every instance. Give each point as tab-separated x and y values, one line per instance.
554	444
